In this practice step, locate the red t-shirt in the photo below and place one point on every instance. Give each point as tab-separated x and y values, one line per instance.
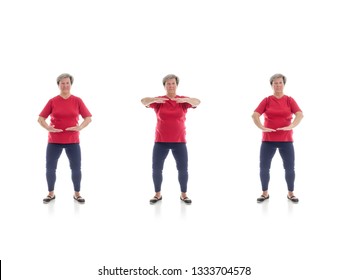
64	113
278	112
170	120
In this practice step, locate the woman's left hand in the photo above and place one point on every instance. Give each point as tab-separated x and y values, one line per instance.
192	101
74	128
285	128
181	100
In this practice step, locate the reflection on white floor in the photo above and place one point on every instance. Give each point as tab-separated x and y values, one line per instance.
224	226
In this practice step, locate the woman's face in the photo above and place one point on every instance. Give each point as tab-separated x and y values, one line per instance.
65	85
171	86
278	85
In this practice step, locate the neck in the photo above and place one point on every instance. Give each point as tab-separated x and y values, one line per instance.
278	94
65	94
170	95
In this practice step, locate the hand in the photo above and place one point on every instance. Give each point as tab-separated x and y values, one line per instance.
52	129
73	128
285	128
265	129
159	100
181	100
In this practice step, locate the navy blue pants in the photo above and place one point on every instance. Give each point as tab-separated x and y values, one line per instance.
180	153
267	152
73	152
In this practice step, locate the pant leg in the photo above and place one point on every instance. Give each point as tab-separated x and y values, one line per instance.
180	153
73	152
287	153
267	152
160	152
53	153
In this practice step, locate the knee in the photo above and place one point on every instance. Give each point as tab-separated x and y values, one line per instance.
75	166
264	170
183	170
50	170
157	171
289	167
76	170
289	170
182	166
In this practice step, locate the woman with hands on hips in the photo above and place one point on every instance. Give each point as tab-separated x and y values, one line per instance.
170	134
278	110
63	134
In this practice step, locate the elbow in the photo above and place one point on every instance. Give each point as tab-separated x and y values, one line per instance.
300	115
255	115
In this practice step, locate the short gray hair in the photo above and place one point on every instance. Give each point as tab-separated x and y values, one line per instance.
169	77
63	76
277	76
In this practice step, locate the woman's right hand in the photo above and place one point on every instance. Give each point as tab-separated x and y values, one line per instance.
55	130
149	100
265	129
159	100
43	123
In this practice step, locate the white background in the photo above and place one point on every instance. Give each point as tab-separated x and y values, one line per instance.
224	52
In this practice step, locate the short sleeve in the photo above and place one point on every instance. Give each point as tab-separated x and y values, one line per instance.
47	110
83	110
294	106
261	107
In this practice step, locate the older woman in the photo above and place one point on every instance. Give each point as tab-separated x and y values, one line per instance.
63	133
278	110
170	134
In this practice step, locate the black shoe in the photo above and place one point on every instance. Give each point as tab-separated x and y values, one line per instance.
293	198
155	199
79	199
186	200
48	199
262	198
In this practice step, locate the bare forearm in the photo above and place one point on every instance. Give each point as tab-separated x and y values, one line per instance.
193	101
147	100
43	123
85	122
256	120
298	117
